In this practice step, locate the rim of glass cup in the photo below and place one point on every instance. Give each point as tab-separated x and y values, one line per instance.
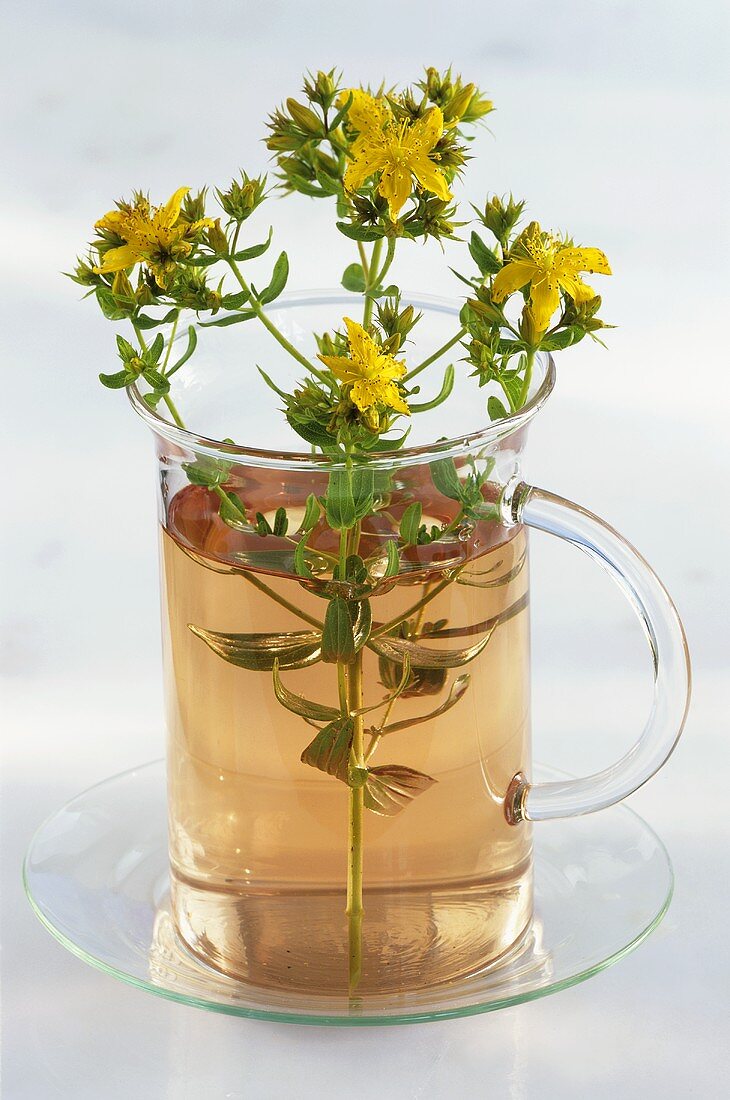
304	460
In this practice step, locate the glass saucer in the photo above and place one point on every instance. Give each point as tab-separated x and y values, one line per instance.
96	876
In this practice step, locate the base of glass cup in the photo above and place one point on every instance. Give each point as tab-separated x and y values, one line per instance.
96	874
413	938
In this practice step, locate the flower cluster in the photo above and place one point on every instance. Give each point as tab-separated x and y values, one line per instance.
390	160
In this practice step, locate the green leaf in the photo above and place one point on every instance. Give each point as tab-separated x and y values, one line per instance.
117	381
421	657
281	522
359	232
235	301
391	569
233	319
312	512
258	652
338	641
301	565
126	351
496	409
192	344
317	712
207	471
156	380
410	523
354	279
558	341
330	749
362	483
340	505
458	688
363	624
233	511
154	351
144	322
446	479
392	787
314	433
279	276
255	249
483	256
108	304
446	387
513	386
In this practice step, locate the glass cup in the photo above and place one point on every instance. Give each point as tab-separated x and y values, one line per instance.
361	819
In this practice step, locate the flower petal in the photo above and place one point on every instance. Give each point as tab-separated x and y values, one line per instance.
392	398
512	277
395	186
342	367
111	221
168	214
362	346
367	113
544	300
430	177
368	158
573	260
424	133
576	288
116	259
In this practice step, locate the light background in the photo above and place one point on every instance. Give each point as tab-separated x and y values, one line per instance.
611	120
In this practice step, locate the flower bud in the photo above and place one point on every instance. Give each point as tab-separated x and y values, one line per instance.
217	239
304	117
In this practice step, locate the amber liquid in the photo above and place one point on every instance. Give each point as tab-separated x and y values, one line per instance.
258	840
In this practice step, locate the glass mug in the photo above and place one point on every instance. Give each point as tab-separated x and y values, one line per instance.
259	841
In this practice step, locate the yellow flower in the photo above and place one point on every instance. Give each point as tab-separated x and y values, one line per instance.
370	371
153	236
398	150
547	265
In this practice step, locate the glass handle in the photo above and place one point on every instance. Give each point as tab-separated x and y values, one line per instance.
536	508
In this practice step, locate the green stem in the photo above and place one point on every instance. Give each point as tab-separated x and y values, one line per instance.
527	379
372	282
363	260
354	908
170	342
269	324
385	628
436	355
247	575
166	397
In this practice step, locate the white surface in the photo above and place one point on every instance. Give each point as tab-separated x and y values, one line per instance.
608	121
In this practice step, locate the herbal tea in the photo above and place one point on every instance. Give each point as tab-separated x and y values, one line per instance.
257	854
